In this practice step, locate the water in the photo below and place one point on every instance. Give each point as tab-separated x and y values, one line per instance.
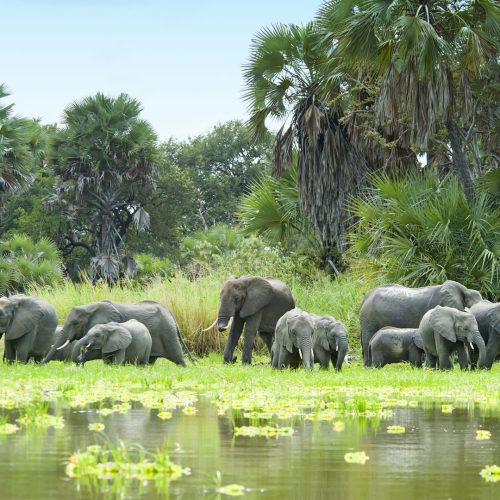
437	458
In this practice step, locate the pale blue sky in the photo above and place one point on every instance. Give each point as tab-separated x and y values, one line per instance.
181	59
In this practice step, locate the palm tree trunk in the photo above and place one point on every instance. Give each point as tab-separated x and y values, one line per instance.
460	164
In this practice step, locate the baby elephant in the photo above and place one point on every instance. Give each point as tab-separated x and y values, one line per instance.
293	341
118	343
394	345
330	342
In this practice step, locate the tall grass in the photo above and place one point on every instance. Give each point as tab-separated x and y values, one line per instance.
195	303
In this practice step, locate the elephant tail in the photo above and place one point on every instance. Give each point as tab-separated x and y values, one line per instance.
181	340
369	355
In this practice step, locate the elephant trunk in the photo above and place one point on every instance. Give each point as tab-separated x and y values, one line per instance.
341	352
478	340
77	354
59	343
224	317
306	352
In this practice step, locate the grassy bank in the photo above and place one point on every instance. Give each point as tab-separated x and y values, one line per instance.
195	303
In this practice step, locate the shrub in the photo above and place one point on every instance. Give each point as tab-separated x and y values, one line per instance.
25	263
422	230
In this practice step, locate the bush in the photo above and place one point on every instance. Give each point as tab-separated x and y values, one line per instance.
25	263
422	230
150	267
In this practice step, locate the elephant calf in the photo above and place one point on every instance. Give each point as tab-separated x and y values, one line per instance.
118	343
445	330
330	342
293	341
394	345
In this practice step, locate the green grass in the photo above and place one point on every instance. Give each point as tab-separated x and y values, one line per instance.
194	303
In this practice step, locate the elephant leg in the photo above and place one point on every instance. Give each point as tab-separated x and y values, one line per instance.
284	357
9	354
232	341
491	353
463	357
430	360
268	340
444	350
251	327
119	357
415	357
321	356
22	348
152	360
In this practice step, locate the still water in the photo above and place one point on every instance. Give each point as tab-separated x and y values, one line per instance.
438	457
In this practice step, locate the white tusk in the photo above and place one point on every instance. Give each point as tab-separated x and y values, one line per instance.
312	354
230	322
211	326
471	346
337	348
300	354
63	346
88	345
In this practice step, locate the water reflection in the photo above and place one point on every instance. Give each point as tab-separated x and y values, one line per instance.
437	457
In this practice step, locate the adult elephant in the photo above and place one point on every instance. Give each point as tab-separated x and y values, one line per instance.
487	315
403	307
64	354
395	345
158	320
330	342
442	329
294	340
116	343
256	303
29	324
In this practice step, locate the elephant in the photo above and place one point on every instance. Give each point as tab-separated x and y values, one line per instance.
156	318
442	330
256	303
330	342
394	345
487	315
402	307
294	340
64	354
29	324
118	343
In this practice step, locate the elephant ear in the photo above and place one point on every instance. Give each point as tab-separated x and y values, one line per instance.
320	334
119	338
26	318
102	312
493	318
452	295
287	338
443	323
417	340
259	294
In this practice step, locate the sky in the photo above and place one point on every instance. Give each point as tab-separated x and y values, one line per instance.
181	59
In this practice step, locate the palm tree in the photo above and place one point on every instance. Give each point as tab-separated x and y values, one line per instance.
429	55
282	83
104	159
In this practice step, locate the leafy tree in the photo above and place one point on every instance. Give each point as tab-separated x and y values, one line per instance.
104	160
437	62
222	164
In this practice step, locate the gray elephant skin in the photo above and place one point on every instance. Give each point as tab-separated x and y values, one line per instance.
487	315
256	303
294	340
395	345
444	330
64	354
403	307
117	343
330	342
156	318
29	324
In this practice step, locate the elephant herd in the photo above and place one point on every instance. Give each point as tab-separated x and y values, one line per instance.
417	325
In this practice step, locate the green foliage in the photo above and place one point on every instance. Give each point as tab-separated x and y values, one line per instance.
422	230
150	267
26	263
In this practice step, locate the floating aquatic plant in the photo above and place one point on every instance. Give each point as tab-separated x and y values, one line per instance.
232	490
165	415
265	431
97	427
338	426
491	473
483	435
356	457
396	429
447	408
8	428
41	421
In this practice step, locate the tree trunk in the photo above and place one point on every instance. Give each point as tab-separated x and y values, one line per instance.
462	168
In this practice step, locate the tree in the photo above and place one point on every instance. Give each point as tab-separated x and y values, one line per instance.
435	59
104	160
222	164
283	82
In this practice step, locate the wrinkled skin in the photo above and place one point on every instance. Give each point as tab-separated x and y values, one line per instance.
487	315
29	324
294	340
117	343
256	303
443	330
64	354
157	319
402	307
395	345
330	342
